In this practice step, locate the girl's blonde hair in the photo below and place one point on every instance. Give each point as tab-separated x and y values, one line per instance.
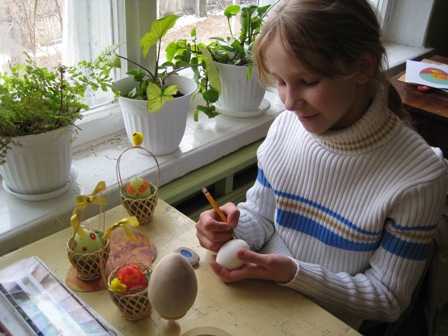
327	37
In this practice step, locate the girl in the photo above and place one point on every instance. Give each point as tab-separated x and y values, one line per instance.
348	196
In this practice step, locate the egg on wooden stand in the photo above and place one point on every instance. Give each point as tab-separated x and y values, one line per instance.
172	287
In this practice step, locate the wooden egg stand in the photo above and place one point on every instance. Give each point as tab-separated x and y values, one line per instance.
172	290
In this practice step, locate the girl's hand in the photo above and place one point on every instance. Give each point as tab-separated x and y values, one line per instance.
273	267
212	232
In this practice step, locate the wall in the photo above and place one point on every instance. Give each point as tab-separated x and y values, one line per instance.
401	26
437	36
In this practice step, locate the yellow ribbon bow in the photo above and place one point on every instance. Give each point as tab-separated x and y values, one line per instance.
132	221
83	201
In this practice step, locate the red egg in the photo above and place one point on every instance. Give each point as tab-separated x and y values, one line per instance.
132	276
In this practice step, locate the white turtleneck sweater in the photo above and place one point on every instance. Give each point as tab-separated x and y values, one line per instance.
356	209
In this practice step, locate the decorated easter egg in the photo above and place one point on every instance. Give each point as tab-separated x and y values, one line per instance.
434	75
90	243
227	257
172	287
138	187
132	277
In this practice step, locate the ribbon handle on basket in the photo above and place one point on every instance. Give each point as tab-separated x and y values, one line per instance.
82	201
132	221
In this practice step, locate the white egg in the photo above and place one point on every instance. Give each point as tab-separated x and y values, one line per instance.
227	257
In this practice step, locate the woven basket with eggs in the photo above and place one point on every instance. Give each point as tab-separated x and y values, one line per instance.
88	261
86	249
139	196
128	287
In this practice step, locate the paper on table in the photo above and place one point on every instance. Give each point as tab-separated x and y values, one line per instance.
429	74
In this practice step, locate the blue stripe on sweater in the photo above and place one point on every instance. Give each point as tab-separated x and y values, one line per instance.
326	210
262	179
402	248
306	225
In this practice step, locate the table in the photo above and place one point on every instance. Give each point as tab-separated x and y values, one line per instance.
428	109
245	308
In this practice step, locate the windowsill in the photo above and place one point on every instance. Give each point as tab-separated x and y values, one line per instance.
204	142
22	222
397	55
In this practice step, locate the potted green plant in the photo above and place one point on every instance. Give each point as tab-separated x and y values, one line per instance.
241	93
41	104
155	101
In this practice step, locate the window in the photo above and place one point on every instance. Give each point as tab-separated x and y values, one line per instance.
55	31
31	26
71	30
382	9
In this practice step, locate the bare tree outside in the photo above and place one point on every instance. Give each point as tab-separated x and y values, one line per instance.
206	16
35	26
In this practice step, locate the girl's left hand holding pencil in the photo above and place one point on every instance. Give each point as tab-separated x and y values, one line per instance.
212	232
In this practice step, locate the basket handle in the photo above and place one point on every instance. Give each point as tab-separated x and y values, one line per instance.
118	171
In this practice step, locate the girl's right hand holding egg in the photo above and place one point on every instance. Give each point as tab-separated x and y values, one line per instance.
212	232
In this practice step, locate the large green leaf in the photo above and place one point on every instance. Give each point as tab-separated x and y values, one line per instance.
110	49
158	97
231	10
170	51
109	56
158	30
212	70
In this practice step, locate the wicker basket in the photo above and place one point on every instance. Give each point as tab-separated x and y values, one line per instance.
88	265
135	305
142	208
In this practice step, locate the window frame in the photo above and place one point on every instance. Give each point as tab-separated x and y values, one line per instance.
130	20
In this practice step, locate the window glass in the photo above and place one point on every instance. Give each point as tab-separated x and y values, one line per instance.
32	26
382	8
206	16
66	31
55	31
40	26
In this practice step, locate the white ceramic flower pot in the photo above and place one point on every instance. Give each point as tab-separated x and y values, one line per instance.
163	130
239	95
40	165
